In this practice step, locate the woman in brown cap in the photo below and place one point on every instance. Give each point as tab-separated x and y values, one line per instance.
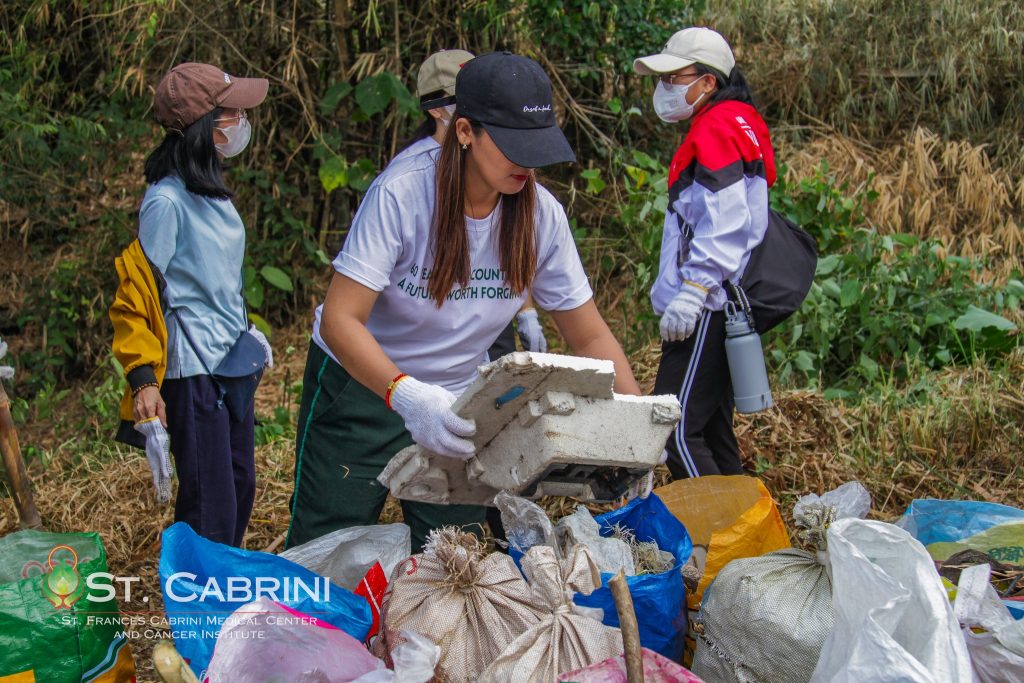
181	330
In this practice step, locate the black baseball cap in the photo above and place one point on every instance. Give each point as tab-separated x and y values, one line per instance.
510	95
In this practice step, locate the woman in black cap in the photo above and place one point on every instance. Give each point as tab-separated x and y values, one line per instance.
437	260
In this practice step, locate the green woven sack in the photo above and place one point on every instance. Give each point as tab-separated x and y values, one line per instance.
52	628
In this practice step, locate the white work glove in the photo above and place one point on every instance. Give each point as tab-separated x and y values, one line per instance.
6	371
530	331
263	342
426	409
158	453
682	313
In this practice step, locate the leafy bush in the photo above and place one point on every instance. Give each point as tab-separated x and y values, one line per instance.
880	303
886	302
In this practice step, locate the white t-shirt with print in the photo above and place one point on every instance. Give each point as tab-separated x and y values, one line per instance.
388	250
422	145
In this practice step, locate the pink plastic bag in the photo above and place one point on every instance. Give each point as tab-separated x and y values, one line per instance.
657	669
265	641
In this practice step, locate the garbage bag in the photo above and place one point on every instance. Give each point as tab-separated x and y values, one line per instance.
659	599
204	581
562	640
946	527
727	517
53	626
893	620
266	641
766	618
580	528
995	640
657	669
346	555
470	604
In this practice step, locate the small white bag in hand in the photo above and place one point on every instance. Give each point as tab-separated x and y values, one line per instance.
426	409
262	339
531	333
158	454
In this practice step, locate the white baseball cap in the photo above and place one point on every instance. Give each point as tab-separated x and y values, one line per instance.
694	45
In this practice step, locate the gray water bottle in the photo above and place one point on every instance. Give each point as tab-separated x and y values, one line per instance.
746	362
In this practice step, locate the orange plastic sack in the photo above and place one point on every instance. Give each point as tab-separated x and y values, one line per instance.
731	516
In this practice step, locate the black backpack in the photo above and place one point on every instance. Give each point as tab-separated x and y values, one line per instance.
780	272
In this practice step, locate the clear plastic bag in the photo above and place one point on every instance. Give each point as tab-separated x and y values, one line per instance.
610	554
526	524
345	555
849	500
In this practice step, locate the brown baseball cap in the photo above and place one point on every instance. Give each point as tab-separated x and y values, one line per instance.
190	91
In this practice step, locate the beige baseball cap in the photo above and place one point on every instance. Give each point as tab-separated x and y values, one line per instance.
190	91
694	45
439	70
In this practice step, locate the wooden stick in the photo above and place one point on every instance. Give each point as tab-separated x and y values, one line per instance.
21	489
630	629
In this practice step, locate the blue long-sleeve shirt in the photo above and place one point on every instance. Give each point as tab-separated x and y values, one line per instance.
197	244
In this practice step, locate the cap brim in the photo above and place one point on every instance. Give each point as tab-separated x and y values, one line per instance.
245	93
532	147
660	63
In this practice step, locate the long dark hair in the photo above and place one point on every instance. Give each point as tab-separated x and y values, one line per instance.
448	238
191	155
731	87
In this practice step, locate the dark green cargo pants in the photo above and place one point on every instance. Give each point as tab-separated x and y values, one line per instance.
346	435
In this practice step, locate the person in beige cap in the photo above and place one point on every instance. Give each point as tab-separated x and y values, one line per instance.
181	330
718	213
435	87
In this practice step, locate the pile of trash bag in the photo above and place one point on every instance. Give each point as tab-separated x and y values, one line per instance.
642	534
766	618
930	599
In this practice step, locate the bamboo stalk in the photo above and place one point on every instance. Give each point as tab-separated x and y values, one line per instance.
630	629
21	488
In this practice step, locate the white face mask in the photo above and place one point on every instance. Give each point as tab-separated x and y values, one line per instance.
450	110
670	101
237	139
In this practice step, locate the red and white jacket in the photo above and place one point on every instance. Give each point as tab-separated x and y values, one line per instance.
718	202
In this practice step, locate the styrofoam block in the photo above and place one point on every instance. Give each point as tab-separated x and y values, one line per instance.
546	425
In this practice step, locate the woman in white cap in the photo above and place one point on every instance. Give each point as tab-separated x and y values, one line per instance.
717	214
437	260
181	330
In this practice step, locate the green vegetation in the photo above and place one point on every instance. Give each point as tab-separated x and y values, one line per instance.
899	124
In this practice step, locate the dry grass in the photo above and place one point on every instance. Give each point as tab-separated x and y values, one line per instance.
951	191
877	68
